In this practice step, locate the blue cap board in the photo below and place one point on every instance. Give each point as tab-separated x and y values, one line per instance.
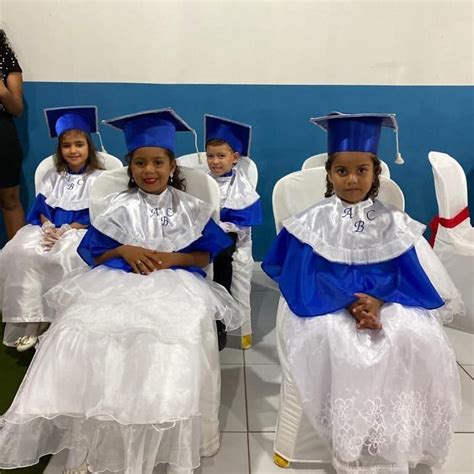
237	135
150	128
356	132
62	119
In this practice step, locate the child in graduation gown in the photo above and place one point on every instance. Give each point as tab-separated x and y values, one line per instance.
226	142
128	375
44	251
360	320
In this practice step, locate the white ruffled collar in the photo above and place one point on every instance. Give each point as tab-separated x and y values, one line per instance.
68	191
235	190
166	222
362	233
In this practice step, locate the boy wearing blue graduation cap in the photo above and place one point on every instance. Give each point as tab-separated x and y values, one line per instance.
226	142
44	252
363	296
129	375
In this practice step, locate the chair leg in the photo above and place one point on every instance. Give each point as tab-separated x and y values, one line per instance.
246	341
280	461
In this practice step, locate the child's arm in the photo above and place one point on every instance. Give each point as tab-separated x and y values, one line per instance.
77	225
145	261
140	259
43	219
197	258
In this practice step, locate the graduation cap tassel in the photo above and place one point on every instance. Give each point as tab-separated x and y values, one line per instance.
101	142
398	160
197	148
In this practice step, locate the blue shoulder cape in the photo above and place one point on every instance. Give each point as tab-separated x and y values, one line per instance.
315	286
95	243
247	217
56	215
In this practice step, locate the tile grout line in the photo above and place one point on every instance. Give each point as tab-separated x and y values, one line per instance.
247	413
465	371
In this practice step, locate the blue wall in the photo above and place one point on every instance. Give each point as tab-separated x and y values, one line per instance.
437	118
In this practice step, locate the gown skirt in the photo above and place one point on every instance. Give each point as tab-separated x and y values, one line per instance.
27	272
128	371
383	400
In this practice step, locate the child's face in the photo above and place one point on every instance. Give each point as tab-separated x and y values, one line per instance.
220	159
151	167
74	149
352	175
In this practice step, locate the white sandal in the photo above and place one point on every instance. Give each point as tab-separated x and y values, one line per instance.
82	469
26	342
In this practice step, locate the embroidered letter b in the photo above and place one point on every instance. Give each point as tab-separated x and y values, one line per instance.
359	226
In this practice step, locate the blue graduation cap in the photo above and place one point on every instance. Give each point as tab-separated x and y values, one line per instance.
62	119
150	128
237	135
357	132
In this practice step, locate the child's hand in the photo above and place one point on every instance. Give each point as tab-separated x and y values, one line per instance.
50	236
142	261
366	311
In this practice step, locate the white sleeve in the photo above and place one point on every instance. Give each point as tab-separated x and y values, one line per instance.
441	280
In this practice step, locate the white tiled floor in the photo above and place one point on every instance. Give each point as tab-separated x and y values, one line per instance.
250	392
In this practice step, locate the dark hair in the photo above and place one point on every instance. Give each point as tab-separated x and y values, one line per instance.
5	44
176	181
374	190
217	142
93	162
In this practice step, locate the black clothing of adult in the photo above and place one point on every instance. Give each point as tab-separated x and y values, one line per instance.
10	148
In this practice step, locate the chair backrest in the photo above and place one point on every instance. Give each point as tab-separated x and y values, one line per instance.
249	168
199	162
299	190
315	161
319	160
198	184
450	184
109	162
194	160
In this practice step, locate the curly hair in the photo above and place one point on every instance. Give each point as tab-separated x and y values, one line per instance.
5	45
93	162
176	181
374	189
7	55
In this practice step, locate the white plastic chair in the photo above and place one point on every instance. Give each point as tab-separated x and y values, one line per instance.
197	184
455	246
109	162
242	264
316	161
295	438
194	160
199	161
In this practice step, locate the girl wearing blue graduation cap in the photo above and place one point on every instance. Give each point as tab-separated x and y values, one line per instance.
359	321
226	143
44	252
128	375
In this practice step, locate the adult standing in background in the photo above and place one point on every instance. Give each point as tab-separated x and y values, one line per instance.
11	104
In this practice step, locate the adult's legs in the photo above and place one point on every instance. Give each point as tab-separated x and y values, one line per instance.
13	214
